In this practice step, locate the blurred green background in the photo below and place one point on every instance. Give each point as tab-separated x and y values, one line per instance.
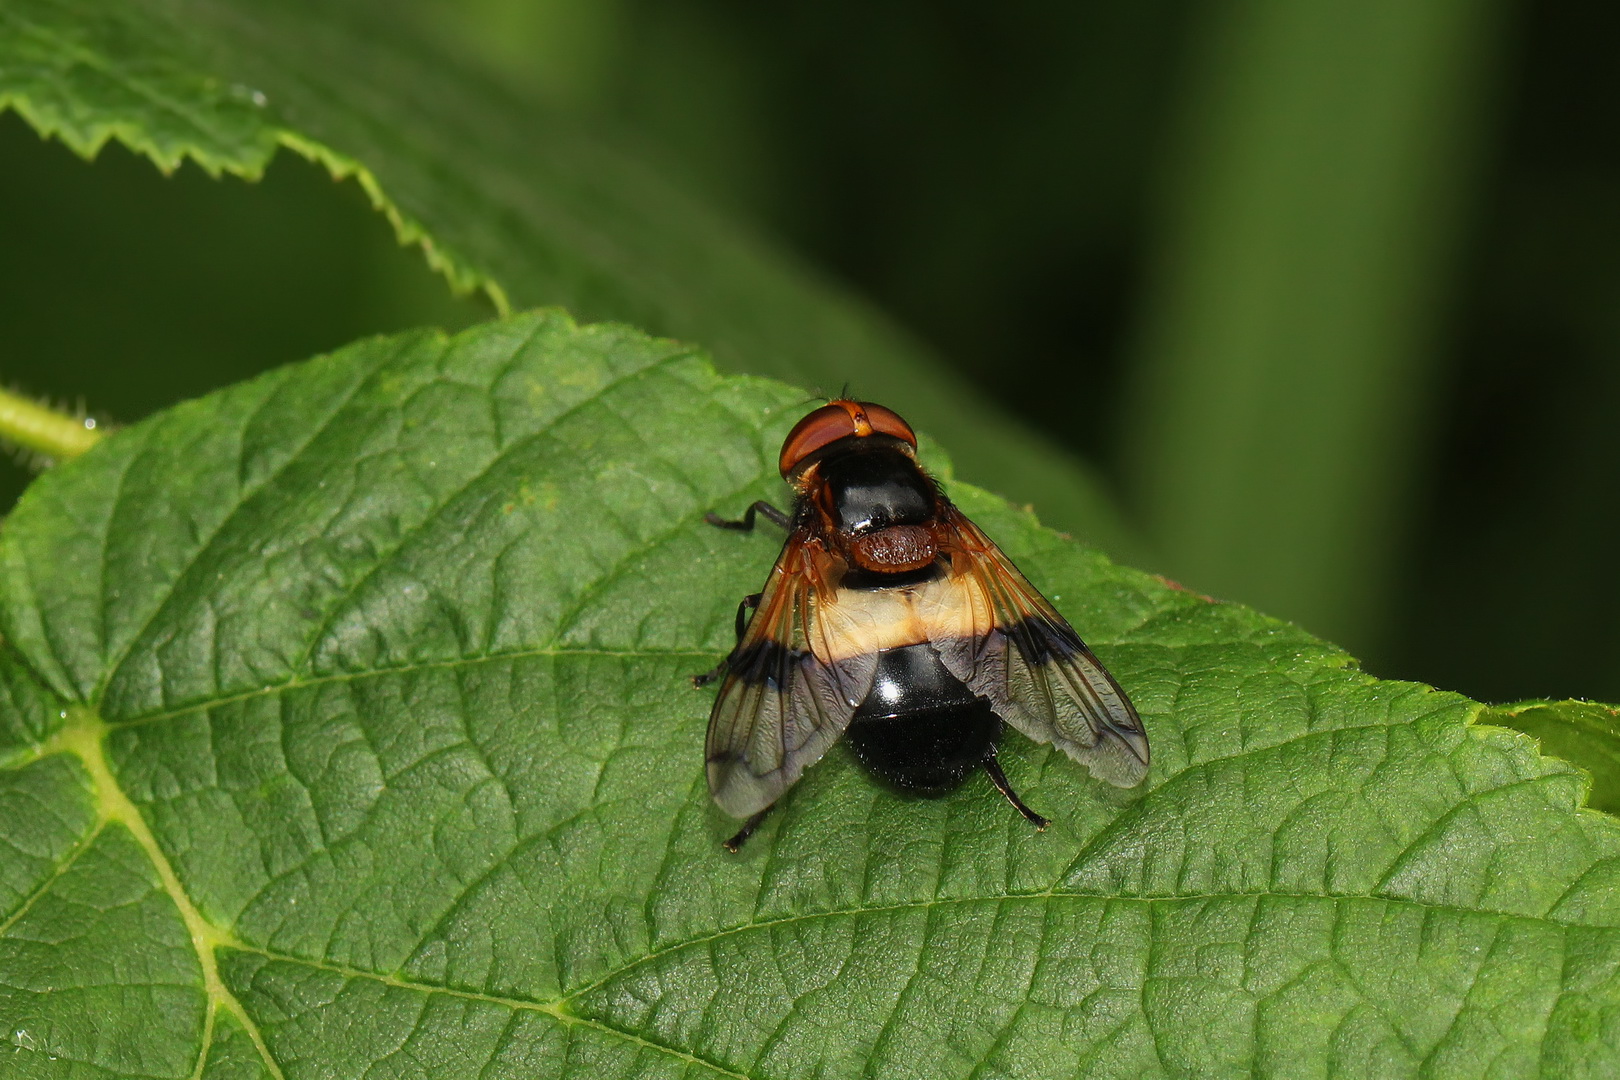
1327	288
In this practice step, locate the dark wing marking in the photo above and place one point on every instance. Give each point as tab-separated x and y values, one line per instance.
780	707
1034	669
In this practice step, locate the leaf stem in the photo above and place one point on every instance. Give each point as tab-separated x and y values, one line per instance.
44	430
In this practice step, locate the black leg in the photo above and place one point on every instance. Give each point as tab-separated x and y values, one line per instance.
999	778
749	603
747	522
747	830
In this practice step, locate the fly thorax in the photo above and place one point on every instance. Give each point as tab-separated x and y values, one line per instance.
894	550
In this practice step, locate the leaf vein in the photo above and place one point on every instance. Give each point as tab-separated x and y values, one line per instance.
62	866
1041	897
566	620
397	669
551	1009
244	497
1120	821
385	558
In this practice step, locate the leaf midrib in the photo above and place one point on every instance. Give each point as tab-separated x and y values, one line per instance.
84	737
559	1008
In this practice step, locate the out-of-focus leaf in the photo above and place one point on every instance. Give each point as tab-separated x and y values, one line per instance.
1287	343
499	195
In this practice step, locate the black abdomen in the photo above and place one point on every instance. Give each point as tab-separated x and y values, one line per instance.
921	729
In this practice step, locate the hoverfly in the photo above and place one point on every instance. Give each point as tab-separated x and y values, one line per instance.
891	621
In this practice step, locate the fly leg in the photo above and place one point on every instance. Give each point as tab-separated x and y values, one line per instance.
776	516
747	830
749	603
707	677
999	778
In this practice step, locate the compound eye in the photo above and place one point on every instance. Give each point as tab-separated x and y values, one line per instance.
888	422
837	420
825	425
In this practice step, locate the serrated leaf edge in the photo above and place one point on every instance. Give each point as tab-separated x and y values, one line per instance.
459	271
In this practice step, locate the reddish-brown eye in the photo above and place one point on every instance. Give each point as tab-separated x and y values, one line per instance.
837	420
888	422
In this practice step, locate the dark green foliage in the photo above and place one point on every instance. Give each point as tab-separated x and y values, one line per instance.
528	207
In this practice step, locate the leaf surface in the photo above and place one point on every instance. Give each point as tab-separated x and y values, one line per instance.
500	195
347	730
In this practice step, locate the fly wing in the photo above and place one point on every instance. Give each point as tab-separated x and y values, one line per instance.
1034	669
783	702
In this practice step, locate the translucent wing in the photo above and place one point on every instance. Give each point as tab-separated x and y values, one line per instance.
1034	669
783	702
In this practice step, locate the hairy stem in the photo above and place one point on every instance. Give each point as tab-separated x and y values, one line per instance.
44	430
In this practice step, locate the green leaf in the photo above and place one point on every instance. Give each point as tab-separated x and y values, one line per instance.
1580	731
350	733
499	195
